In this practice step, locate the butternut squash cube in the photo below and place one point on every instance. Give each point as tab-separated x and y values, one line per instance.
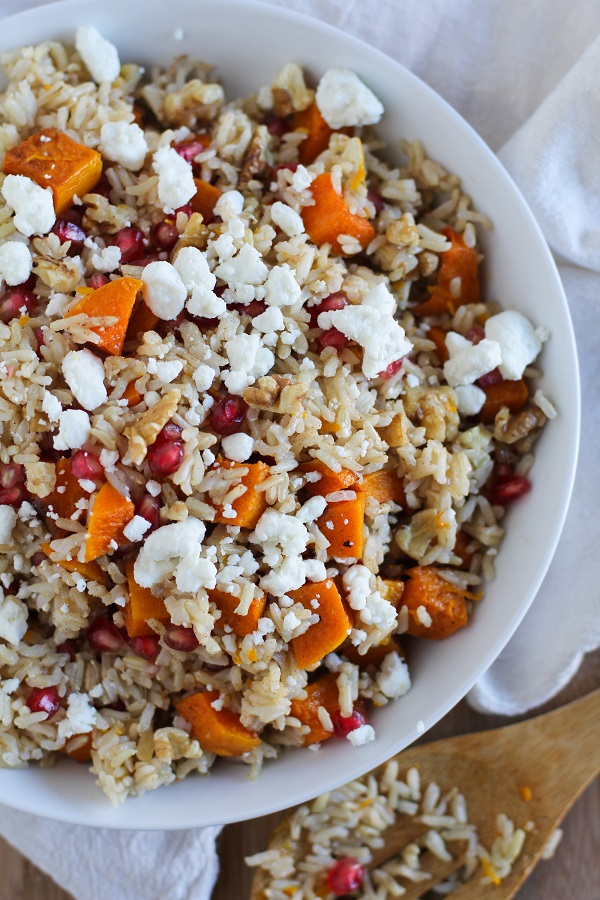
109	516
218	731
117	298
330	481
240	625
251	505
343	525
330	631
322	692
141	606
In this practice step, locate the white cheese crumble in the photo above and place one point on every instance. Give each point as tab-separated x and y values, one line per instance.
73	430
246	267
136	529
8	520
312	509
248	360
302	179
15	262
238	447
193	269
469	364
84	373
81	716
203	377
281	287
124	143
51	406
518	340
174	551
361	736
167	370
13	619
269	321
99	55
393	679
287	219
164	292
229	205
33	205
176	184
106	260
470	399
343	100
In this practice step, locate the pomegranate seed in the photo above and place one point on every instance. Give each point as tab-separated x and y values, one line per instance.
86	465
252	309
39	336
38	558
69	647
291	166
44	700
130	242
166	235
493	377
103	187
12	496
333	338
187	209
118	705
391	370
343	725
345	876
11	474
228	415
276	125
376	199
180	638
504	492
191	149
143	261
74	215
165	457
475	334
329	304
68	231
171	432
148	508
98	280
147	646
104	635
16	302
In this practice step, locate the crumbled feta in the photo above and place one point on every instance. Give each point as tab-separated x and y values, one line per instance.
193	269
381	299
246	267
393	679
248	360
13	619
361	736
33	205
106	260
269	321
15	262
290	622
238	447
153	488
168	370
136	529
164	291
467	365
343	100
312	509
84	373
124	143
81	716
109	458
287	219
378	333
174	551
519	343
229	205
203	377
206	303
99	55
8	519
51	406
56	304
470	399
302	179
73	430
87	485
456	342
281	287
176	184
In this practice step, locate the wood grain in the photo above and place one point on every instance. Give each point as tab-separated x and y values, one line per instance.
574	871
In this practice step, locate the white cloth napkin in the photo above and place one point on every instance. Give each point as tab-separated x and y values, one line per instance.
526	75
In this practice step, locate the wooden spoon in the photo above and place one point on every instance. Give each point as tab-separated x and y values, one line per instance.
550	759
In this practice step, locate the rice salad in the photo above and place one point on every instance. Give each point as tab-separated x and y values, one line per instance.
260	425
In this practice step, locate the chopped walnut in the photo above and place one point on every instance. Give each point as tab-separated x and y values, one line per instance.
100	211
41	478
396	433
194	102
276	393
174	743
289	91
436	409
403	232
255	163
508	429
61	275
144	431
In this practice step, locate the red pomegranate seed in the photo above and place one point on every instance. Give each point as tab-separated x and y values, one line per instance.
227	416
12	496
180	638
118	705
143	261
328	304
147	646
187	209
493	377
103	187
38	558
345	876
165	457
16	302
44	700
171	432
252	309
98	280
333	338
192	148
39	336
11	474
391	370
475	334
343	725
148	507
376	199
68	231
104	635
69	647
292	166
276	125
511	489
130	242
86	465
166	235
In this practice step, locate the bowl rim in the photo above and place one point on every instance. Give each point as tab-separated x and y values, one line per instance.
377	755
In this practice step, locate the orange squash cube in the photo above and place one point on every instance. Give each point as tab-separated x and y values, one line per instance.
54	160
64	502
218	731
343	525
385	486
240	625
116	298
330	631
444	603
392	590
330	217
142	320
109	516
330	481
205	199
322	692
251	505
91	571
512	394
141	606
79	748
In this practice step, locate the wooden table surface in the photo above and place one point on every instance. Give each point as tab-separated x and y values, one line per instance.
572	874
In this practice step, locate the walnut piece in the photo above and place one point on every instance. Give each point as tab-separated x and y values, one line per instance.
195	101
41	478
62	275
510	429
144	431
396	433
255	163
436	409
289	91
276	393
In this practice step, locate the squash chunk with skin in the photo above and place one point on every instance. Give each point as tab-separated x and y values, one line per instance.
217	731
329	632
458	279
442	601
142	320
91	571
512	394
109	516
141	606
391	590
343	525
52	159
117	298
63	503
330	217
322	692
240	625
251	505
330	481
385	486
205	199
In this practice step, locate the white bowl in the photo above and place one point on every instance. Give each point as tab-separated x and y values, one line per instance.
250	42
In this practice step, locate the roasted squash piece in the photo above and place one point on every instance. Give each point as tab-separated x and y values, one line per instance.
317	131
330	481
322	692
131	394
54	160
330	216
205	199
141	606
513	394
240	625
392	590
251	505
330	631
458	279
385	486
142	320
79	748
91	571
117	298
63	503
110	514
343	525
217	731
443	602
